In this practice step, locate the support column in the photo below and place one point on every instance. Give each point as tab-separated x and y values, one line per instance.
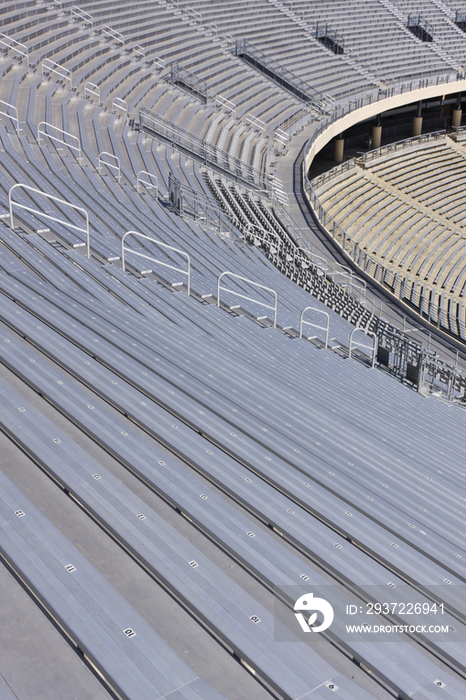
457	112
377	133
338	149
417	121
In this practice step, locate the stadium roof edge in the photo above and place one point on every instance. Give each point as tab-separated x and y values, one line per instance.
371	110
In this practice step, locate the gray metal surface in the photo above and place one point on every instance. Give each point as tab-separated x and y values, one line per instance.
221	604
127	652
393	665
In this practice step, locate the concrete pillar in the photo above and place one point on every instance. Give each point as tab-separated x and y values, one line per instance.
338	149
417	126
376	136
456	117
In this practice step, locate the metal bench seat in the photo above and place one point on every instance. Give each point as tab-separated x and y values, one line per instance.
93	615
290	450
205	589
249	454
133	448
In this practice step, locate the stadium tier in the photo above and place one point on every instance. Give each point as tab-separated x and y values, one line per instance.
228	468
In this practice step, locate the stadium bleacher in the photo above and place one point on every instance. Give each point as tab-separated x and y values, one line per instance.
179	456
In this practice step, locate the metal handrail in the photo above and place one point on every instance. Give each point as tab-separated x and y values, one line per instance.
315	259
109	165
66	75
55	138
255	121
314	325
11	203
139	50
118	103
281	136
82	15
159	262
372	347
223	102
148	183
113	34
95	92
401	145
14	46
159	62
15	118
261	233
243	296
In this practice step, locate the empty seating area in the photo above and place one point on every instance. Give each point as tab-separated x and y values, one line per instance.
193	434
406	209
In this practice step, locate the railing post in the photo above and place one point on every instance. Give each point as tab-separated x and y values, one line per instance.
159	262
12	204
243	296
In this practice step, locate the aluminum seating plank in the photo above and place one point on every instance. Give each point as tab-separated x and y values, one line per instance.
4	694
253	454
87	606
245	452
212	594
395	670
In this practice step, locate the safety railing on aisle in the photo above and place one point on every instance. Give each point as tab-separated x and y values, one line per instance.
91	89
12	204
74	146
11	44
314	325
63	73
244	296
186	272
4	107
149	185
355	343
113	166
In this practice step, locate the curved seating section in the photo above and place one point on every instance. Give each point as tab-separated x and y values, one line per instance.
407	210
147	337
442	17
366	62
250	434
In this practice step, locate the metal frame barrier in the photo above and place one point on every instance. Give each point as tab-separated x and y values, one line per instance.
14	46
55	138
159	62
109	165
372	347
139	51
314	325
11	203
113	34
148	183
149	257
312	258
243	296
15	118
261	234
95	92
118	103
66	75
254	121
210	156
82	15
223	102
